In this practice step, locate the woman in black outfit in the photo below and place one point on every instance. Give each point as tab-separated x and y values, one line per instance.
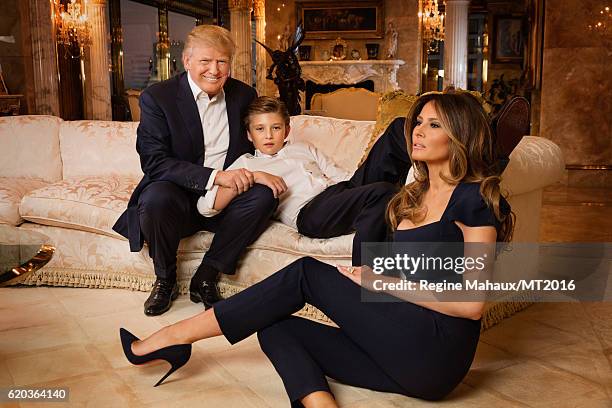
421	349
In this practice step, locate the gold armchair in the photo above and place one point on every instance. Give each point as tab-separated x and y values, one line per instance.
132	97
347	103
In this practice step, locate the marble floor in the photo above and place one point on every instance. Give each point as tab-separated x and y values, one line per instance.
551	354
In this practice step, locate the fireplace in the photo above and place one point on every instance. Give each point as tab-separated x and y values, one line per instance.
327	76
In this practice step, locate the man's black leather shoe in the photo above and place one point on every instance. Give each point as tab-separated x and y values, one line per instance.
161	297
206	292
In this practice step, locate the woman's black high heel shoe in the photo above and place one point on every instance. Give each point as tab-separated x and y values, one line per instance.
176	355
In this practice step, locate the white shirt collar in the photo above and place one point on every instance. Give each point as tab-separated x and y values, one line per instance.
196	91
260	154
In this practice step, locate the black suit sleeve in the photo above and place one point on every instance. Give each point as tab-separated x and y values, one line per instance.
154	145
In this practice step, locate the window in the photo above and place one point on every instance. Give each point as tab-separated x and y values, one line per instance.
140	25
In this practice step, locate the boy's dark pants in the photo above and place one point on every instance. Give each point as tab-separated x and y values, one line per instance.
359	204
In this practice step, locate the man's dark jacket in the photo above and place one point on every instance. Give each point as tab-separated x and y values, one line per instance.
170	142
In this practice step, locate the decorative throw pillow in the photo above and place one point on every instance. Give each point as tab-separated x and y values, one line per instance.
396	104
391	105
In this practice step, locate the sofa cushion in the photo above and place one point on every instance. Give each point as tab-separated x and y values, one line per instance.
280	238
30	147
392	105
93	204
341	140
97	148
12	190
88	204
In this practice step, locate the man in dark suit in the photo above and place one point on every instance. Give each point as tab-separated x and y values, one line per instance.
190	130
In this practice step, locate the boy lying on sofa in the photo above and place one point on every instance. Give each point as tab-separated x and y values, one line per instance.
317	197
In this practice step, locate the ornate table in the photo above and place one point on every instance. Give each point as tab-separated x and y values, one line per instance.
22	252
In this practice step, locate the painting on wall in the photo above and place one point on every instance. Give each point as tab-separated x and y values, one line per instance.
331	19
508	39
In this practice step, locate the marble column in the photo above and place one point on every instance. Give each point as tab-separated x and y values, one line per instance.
97	76
259	9
240	20
455	43
44	58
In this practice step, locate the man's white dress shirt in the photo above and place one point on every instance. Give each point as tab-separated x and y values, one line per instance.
306	171
215	126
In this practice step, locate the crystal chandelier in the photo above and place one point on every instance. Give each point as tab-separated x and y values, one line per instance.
432	22
603	21
72	25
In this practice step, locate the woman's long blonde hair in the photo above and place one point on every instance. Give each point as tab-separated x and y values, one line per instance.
472	156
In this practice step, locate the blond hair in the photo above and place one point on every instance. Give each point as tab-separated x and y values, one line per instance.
472	156
212	36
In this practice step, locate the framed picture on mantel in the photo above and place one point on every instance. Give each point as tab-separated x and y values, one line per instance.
332	19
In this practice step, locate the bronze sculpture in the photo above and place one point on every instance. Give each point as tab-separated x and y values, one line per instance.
287	73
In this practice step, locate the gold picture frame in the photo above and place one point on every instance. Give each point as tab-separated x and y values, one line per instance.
332	19
339	49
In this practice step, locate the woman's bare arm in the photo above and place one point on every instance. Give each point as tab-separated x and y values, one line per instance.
430	300
469	310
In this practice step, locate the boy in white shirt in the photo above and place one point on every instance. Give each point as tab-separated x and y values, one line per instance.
305	172
309	182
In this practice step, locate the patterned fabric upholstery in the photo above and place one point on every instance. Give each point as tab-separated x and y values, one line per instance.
93	204
341	140
99	148
12	190
30	147
101	168
394	104
89	204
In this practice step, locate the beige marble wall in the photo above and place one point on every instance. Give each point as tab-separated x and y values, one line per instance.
405	18
276	18
576	108
403	14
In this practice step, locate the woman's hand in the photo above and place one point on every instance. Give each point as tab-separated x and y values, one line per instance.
351	272
276	184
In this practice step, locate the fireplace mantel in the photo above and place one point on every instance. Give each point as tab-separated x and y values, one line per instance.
382	72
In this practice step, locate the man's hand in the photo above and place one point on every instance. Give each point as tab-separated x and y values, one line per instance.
239	180
276	184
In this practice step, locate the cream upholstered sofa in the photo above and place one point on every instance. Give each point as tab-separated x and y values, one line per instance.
71	180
